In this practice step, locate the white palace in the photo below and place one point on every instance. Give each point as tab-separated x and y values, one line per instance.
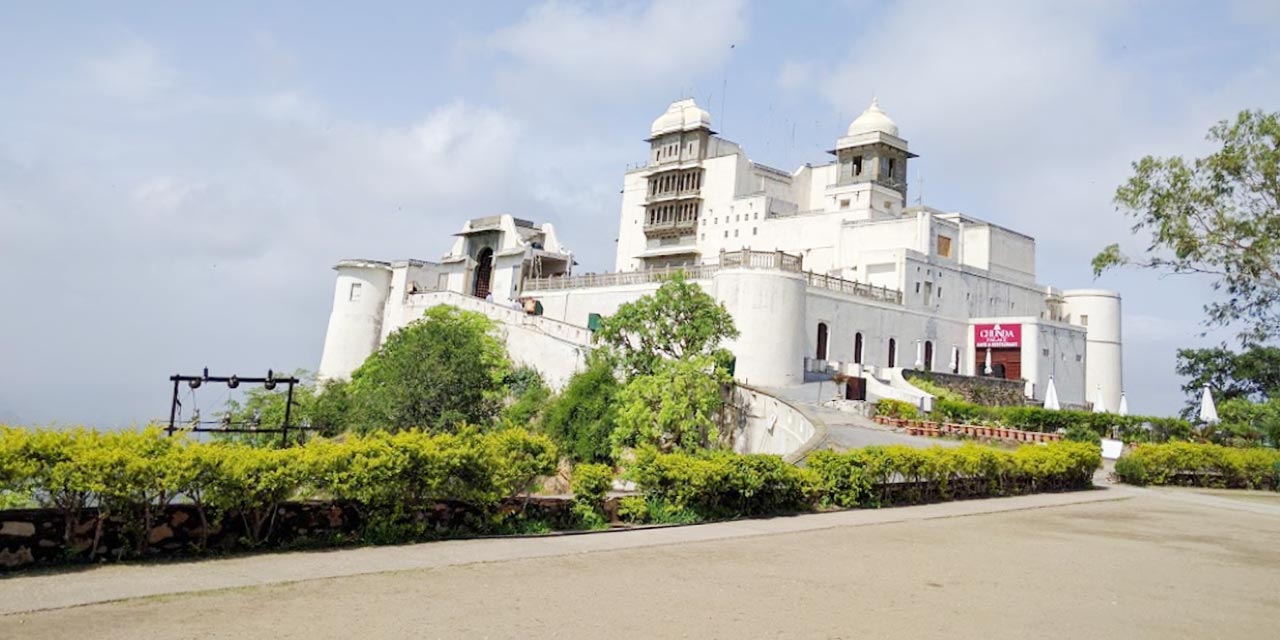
824	268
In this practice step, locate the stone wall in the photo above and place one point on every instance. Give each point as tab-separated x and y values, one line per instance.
35	537
991	392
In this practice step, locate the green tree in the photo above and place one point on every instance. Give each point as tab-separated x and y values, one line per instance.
1217	216
265	408
441	371
528	397
677	321
1252	373
582	418
672	409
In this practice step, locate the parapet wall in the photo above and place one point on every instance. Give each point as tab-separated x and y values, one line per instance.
762	423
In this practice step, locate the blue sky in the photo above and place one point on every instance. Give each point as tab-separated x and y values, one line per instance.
176	181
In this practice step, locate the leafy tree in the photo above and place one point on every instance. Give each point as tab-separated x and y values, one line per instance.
584	415
528	396
1244	422
1217	216
677	321
266	408
672	409
441	371
1252	374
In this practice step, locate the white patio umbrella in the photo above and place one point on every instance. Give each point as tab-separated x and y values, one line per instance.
986	368
1051	396
919	355
1099	402
1124	405
955	360
1208	412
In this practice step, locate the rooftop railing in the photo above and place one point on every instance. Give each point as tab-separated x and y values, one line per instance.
745	258
860	289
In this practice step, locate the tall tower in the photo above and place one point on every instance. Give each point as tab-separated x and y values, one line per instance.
872	154
1098	310
673	198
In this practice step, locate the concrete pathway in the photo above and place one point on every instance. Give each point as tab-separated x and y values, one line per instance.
107	583
848	430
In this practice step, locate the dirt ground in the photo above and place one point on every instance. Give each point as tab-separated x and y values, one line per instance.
1147	567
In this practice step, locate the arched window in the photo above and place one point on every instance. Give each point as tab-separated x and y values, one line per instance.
822	341
893	352
857	348
928	355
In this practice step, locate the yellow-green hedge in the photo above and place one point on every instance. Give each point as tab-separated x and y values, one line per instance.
1201	465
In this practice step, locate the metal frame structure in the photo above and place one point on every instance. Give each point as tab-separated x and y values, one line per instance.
233	381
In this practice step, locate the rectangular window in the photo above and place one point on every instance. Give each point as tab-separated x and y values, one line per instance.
726	233
1084	320
917	287
754	230
735	233
944	246
844	204
355	292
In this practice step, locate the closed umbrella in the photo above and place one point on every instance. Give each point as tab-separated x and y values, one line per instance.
1099	403
919	355
1124	405
1208	412
955	360
1051	396
986	368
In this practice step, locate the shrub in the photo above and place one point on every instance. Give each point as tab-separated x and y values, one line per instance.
390	478
591	482
719	484
880	476
897	409
1077	424
1201	465
582	418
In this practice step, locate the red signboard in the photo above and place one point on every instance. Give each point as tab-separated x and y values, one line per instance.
997	336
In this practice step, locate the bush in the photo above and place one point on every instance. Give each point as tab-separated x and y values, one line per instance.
897	409
591	482
1078	424
1201	465
722	484
391	478
880	476
583	417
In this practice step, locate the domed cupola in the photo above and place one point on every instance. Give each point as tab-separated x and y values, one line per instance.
873	120
682	115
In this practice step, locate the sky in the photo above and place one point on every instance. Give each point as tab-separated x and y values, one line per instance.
177	180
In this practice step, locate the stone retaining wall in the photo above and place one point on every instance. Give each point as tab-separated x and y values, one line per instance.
33	537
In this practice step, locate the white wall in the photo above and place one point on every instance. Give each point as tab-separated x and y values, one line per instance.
769	425
355	322
1105	365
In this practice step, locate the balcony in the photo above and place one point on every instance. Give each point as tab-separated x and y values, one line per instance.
666	228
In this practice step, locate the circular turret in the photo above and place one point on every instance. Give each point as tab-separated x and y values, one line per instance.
355	324
1098	310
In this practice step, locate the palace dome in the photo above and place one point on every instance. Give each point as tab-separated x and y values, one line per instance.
873	120
682	115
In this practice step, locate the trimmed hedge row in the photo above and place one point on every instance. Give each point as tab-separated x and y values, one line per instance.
721	484
1132	428
391	479
1200	465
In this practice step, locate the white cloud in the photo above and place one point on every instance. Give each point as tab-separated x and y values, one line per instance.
132	72
571	49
